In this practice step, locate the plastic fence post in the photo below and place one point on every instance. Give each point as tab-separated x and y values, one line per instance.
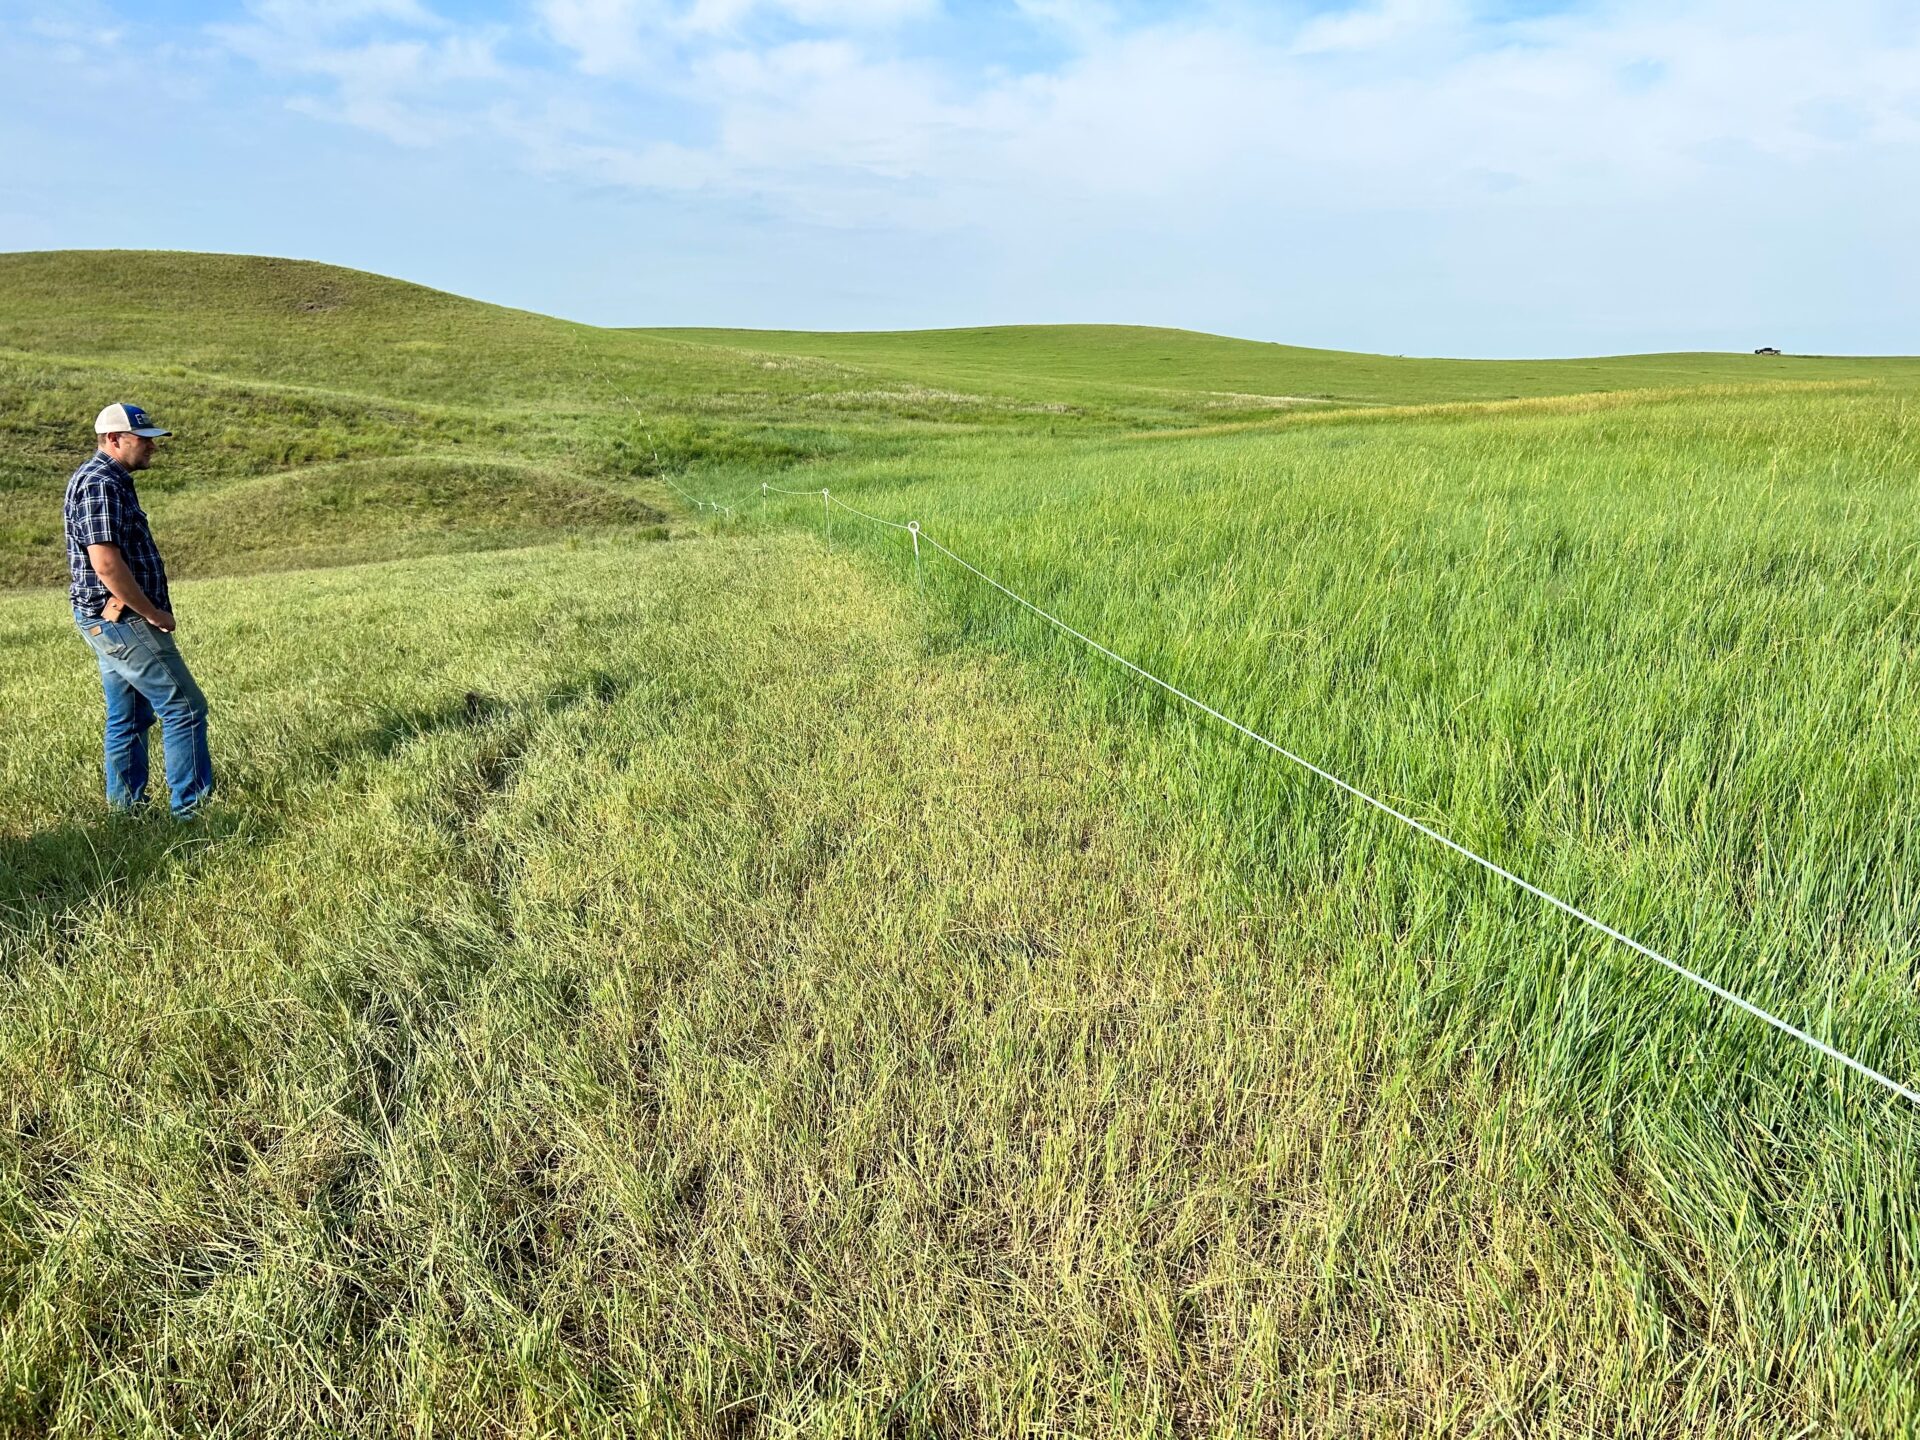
826	509
919	574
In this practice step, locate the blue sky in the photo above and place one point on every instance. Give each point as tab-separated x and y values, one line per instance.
1408	176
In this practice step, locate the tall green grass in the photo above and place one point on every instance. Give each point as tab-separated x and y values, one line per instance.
1657	658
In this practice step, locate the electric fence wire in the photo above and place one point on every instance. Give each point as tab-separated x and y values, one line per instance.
660	470
1719	991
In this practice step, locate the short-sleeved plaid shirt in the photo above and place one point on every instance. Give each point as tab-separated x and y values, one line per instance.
102	509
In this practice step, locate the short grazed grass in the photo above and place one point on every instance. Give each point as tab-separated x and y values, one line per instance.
738	985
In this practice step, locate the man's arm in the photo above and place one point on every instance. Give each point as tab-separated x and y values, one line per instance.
111	566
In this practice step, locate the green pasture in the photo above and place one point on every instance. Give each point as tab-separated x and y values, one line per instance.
1188	372
651	974
724	1016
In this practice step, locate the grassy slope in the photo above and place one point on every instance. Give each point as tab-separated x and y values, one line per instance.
384	418
1216	371
1447	1161
319	392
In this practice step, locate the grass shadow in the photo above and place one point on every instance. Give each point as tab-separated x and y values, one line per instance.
473	710
53	882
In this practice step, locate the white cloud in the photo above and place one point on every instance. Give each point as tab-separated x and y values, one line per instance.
1393	106
393	66
706	16
1398	102
646	37
607	37
1375	27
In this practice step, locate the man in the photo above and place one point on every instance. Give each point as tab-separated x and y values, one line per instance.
121	604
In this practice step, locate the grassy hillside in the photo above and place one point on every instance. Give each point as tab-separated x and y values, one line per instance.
389	398
668	977
1213	371
290	321
320	415
440	423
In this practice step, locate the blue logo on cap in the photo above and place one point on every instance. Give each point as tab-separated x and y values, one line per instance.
137	417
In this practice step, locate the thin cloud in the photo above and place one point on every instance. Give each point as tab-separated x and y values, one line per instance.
1397	102
393	67
1175	145
1378	27
646	38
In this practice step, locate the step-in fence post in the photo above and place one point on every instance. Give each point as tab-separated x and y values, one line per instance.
826	508
919	575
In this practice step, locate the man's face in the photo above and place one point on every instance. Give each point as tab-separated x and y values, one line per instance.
133	451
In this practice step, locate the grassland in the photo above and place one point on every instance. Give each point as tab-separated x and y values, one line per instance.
647	977
1216	372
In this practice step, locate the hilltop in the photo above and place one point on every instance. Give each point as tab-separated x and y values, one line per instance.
333	330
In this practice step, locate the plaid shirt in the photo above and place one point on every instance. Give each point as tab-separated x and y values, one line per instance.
102	509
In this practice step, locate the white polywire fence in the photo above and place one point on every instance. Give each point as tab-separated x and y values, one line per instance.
828	500
660	471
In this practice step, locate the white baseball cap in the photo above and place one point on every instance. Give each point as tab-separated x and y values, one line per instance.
126	420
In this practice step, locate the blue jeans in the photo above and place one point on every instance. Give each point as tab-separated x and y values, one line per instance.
144	677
